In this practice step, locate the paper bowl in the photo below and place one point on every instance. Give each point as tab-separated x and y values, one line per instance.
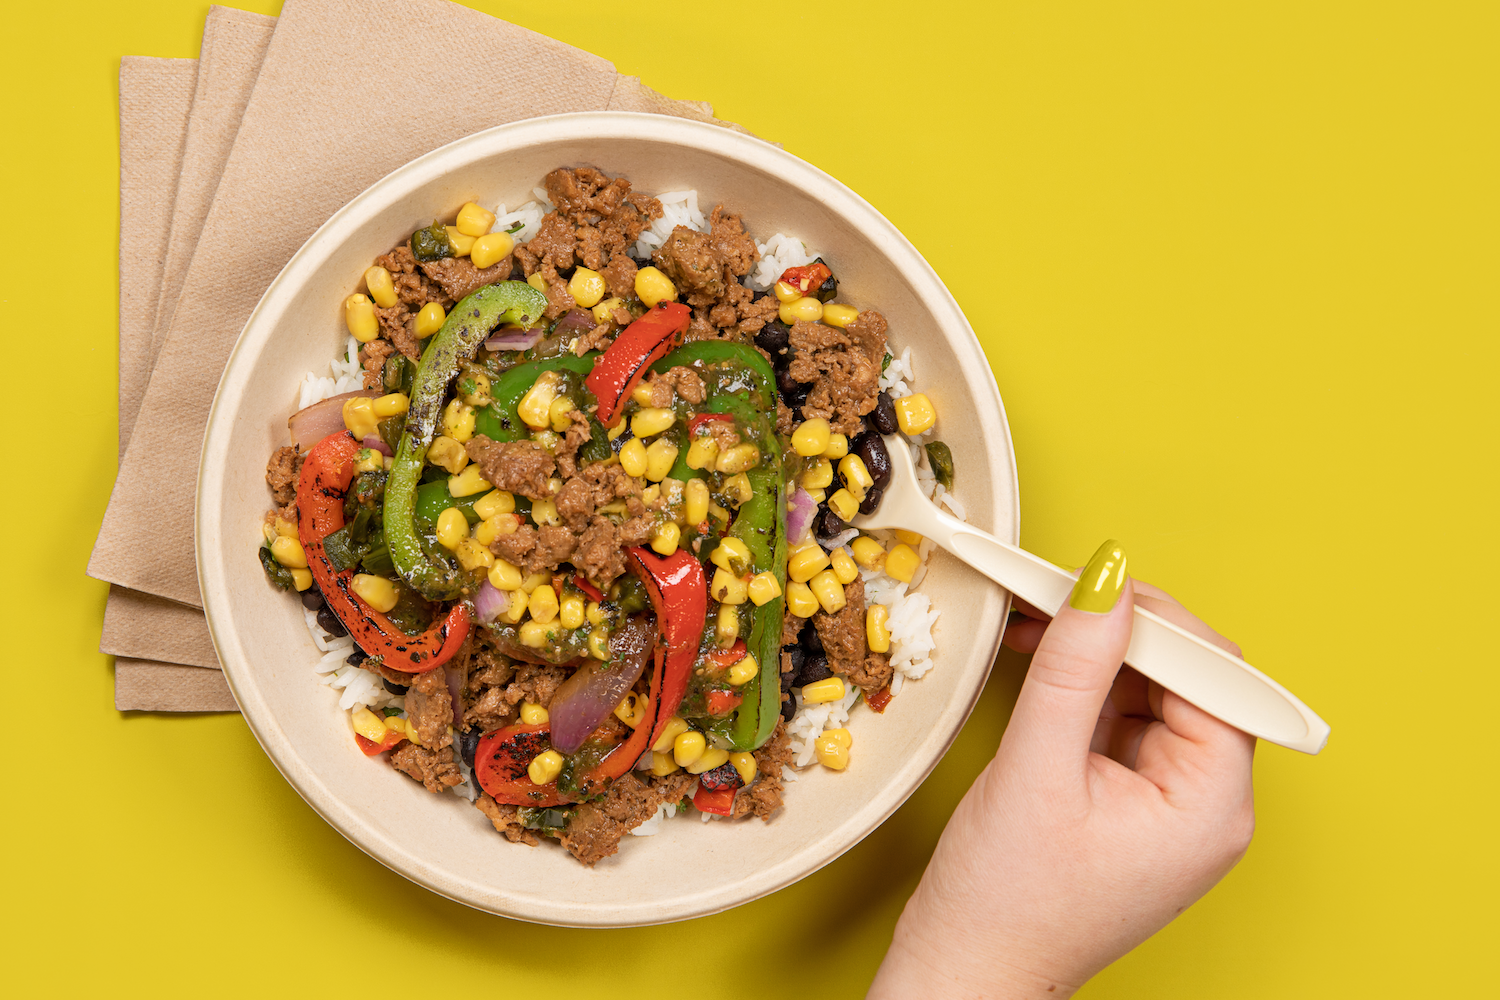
440	841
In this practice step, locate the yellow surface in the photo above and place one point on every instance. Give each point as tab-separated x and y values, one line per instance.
1234	266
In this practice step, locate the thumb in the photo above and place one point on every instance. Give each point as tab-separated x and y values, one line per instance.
1074	667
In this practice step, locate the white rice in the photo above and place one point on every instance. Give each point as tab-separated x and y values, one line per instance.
345	374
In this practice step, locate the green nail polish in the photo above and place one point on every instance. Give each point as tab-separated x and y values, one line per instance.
1099	586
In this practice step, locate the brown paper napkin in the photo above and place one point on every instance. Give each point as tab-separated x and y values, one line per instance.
294	161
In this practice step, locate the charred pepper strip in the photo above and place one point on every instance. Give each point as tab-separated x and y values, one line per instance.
499	421
467	326
624	364
326	474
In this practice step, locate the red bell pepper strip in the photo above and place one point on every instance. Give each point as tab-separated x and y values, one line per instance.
719	702
807	278
326	474
588	588
371	748
719	801
723	659
501	762
697	420
624	364
879	699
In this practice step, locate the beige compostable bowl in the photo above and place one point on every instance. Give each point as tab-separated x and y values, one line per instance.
441	841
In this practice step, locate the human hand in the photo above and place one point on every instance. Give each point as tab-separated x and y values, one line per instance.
1110	806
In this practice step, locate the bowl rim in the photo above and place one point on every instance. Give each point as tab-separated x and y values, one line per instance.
601	126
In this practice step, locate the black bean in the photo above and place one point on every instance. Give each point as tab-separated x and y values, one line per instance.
798	657
312	598
775	339
884	414
468	743
814	670
811	643
357	657
871	450
619	442
330	622
788	709
392	687
871	500
827	524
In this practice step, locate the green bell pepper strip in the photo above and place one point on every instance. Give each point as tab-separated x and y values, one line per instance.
500	421
760	522
466	327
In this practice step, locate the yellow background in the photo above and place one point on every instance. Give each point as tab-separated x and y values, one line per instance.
1234	265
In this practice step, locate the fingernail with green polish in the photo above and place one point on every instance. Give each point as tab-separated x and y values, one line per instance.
1099	586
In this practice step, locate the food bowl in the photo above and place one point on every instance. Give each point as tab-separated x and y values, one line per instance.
440	841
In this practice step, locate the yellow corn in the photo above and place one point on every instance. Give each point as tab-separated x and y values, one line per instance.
545	512
285	528
533	714
842	737
688	747
570	612
829	591
605	311
843	504
650	495
909	537
452	528
818	474
651	286
786	293
486	531
474	220
811	437
652	420
807	563
475	388
674	728
644	393
429	320
702	452
695	502
664	538
467	483
764	588
662	764
660	458
827	689
632	709
806	309
838	447
301	579
743	671
800	600
458	421
594	613
915	414
359	316
516	609
505	575
490	249
494	502
867	552
818	495
382	289
599	644
830	751
728	588
856	474
717	512
901	563
472	555
836	314
390	405
542	604
359	417
535	407
535	580
586	287
369	725
376	591
843	566
545	766
534	633
558	414
737	489
712	757
633	458
462	243
547	439
288	552
744	762
731	554
740	458
726	626
538	282
877	635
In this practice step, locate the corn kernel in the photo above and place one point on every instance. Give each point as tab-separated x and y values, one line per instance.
818	474
818	496
494	502
376	591
545	766
285	528
382	289
877	635
914	413
726	626
652	420
660	458
744	762
800	600
475	387
829	591
843	565
429	320
462	243
570	612
535	407
664	538
695	502
712	757
806	310
452	528
599	644
827	689
604	312
737	489
740	458
744	671
688	747
301	579
674	728
807	563
474	220
836	314
830	752
543	604
533	714
490	249
763	588
856	474
786	293
901	563
867	552
651	494
632	709
467	483
731	554
369	725
595	613
547	439
702	452
458	421
662	764
505	575
717	512
652	286
516	609
359	417
644	394
843	504
909	537
838	446
472	555
535	280
288	552
390	405
359	317
841	737
535	580
534	633
811	437
560	413
633	458
587	287
491	528
728	588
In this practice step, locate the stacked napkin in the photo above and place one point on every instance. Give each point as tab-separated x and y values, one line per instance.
228	163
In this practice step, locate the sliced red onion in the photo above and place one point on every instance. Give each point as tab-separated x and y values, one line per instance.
800	517
514	339
312	424
490	602
374	442
645	761
595	689
580	320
